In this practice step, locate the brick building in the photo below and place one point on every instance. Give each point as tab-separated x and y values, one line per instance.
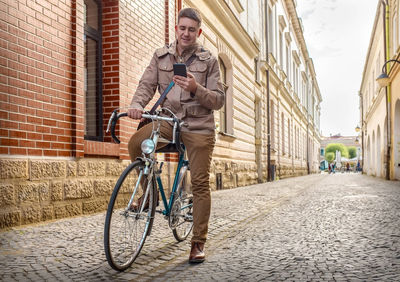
65	65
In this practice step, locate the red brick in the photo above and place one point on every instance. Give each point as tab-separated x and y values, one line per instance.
8	142
8	124
4	150
57	131
26	110
5	133
50	153
27	143
49	137
43	145
17	151
35	152
34	104
18	117
35	120
26	127
43	129
49	122
3	115
64	153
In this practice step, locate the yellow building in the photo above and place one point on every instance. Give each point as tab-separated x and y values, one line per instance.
380	105
67	65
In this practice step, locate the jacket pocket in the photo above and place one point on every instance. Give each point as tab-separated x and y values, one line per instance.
197	111
198	117
165	72
199	70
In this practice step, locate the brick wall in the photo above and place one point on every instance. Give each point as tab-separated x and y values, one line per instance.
111	61
36	85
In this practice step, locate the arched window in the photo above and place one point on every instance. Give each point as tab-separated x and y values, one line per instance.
222	117
226	112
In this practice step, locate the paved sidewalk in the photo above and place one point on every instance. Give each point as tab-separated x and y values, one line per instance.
318	227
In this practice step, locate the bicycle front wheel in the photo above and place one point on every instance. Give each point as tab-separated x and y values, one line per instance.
129	217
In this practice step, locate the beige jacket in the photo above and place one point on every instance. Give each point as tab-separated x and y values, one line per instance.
197	111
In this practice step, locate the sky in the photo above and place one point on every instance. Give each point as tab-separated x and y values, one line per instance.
337	35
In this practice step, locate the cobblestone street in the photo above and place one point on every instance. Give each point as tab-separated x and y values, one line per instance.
323	227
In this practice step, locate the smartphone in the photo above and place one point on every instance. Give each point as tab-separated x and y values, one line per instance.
180	69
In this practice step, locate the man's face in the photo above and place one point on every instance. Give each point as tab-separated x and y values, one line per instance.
187	32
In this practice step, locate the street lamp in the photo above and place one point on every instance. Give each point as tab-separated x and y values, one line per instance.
384	80
357	129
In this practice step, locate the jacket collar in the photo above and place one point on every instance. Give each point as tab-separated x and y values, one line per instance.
195	48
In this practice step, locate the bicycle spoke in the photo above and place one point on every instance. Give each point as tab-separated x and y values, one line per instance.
125	229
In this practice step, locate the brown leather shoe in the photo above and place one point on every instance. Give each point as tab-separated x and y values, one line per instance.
197	253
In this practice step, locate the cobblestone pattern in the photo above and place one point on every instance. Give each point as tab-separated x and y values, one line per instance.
318	227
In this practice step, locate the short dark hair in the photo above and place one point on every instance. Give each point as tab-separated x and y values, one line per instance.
190	13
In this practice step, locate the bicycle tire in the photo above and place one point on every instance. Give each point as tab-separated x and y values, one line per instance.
125	228
181	218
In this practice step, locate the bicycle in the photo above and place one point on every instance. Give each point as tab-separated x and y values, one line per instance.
127	225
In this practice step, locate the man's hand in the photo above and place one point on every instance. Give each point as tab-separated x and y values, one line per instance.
135	113
186	83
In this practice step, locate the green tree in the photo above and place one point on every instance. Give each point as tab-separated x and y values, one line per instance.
352	152
333	147
329	157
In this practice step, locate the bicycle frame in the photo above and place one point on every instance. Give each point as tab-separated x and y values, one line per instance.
177	180
182	165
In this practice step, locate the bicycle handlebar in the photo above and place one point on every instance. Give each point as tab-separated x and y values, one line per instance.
176	128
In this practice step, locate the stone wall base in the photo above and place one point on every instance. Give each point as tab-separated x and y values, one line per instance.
36	190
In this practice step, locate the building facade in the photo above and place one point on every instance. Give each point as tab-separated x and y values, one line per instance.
380	106
67	65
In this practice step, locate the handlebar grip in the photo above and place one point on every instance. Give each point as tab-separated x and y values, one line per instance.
113	123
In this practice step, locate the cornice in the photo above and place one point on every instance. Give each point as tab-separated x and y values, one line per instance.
227	18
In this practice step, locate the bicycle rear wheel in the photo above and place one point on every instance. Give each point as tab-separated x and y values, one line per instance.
127	226
181	218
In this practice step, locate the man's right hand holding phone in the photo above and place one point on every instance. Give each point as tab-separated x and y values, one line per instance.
186	83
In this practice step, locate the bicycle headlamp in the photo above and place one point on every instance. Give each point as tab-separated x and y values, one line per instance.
148	146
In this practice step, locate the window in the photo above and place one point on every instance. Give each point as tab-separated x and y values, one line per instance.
395	33
257	73
283	134
289	137
287	60
294	75
272	125
281	49
271	32
93	74
223	117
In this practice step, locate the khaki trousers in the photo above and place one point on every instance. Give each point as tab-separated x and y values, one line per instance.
199	150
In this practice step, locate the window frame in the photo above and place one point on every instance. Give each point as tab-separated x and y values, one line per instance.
96	35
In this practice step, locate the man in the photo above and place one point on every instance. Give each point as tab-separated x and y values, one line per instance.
193	99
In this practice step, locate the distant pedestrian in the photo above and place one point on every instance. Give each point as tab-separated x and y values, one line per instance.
348	167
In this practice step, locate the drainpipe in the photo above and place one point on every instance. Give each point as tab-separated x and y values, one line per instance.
387	89
308	137
268	97
362	131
